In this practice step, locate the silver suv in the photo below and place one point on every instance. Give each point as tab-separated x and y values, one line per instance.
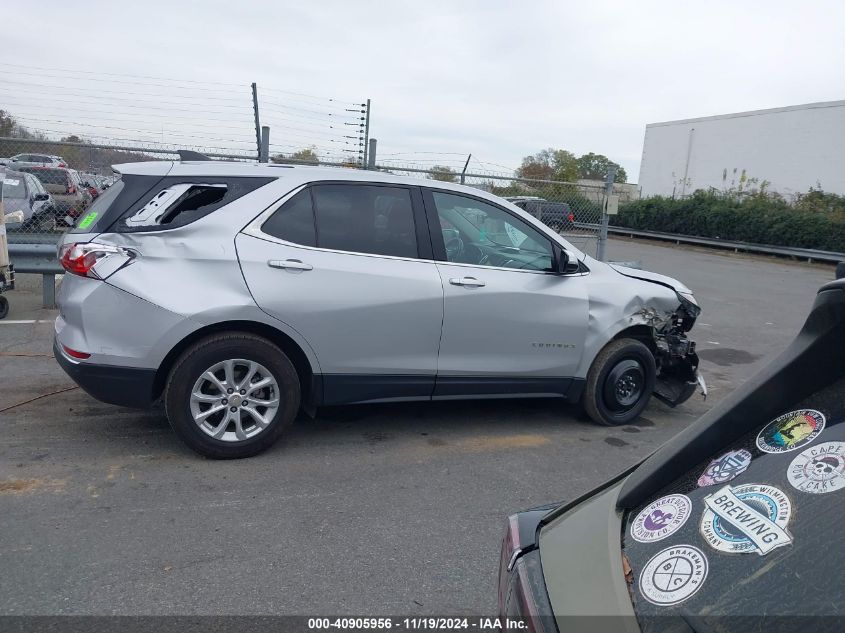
239	294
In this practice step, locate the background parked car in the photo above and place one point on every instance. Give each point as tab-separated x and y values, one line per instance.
92	183
24	192
46	160
70	197
557	216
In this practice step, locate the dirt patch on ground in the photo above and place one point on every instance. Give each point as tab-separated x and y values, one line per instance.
28	486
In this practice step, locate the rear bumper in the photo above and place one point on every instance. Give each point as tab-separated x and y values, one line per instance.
124	386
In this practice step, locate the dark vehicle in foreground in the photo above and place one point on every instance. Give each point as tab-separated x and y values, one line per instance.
558	216
71	198
23	192
733	525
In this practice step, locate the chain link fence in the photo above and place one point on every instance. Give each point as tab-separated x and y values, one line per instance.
53	183
572	209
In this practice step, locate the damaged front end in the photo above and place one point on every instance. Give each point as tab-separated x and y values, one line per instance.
677	362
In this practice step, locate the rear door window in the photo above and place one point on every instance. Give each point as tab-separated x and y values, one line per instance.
365	219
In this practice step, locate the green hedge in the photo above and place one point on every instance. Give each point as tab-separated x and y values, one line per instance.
761	219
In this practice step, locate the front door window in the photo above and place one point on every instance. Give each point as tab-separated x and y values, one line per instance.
475	232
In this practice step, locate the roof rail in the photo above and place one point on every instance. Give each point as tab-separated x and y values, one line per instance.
186	154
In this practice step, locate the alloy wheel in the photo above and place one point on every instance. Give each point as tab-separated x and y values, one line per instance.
234	400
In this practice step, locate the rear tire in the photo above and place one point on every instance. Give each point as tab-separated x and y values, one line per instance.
231	395
4	307
620	382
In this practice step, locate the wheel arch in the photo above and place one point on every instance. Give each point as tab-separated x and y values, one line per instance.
304	370
642	333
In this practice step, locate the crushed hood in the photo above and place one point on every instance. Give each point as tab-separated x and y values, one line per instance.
655	278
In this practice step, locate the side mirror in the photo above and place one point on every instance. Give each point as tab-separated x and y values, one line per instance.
40	197
566	263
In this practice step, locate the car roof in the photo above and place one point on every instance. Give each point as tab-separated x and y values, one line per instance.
293	173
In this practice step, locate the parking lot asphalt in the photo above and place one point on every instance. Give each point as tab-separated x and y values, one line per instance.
376	509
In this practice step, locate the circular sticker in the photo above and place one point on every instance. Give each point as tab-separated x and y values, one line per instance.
661	518
791	431
819	469
724	468
746	518
673	575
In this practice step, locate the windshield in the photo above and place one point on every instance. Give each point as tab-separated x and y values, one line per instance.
749	531
14	186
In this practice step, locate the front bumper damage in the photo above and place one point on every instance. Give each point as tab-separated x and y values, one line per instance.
677	362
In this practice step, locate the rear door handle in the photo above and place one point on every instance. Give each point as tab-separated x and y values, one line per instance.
470	282
289	264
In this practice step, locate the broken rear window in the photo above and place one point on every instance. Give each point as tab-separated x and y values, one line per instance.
176	201
169	203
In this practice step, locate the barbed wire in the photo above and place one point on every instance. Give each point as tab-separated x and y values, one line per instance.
66	102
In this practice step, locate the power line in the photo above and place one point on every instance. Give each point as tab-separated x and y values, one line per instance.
143	131
145	105
100	90
99	74
38	105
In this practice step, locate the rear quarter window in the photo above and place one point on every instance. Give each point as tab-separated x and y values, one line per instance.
754	530
176	201
188	199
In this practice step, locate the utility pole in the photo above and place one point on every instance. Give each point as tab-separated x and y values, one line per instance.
605	218
257	120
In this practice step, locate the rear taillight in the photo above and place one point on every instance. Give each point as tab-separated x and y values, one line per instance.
571	217
523	600
529	601
90	259
73	353
510	551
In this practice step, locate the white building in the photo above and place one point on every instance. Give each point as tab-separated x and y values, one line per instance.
791	149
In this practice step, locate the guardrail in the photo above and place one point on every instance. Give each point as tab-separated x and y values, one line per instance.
38	258
811	255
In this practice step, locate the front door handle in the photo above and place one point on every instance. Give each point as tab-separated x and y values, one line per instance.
470	282
289	264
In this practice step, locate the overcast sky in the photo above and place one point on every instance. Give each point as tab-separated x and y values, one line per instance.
497	79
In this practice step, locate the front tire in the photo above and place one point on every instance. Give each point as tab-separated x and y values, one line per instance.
231	395
620	382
